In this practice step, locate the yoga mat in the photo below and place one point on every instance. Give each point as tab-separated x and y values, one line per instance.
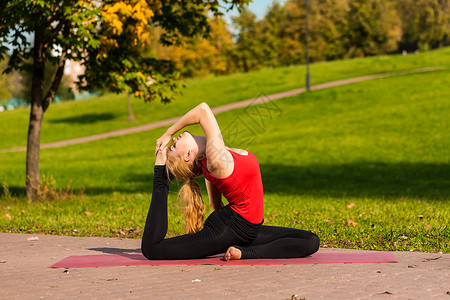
110	260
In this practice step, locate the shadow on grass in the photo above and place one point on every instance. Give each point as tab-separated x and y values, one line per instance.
86	118
363	179
130	184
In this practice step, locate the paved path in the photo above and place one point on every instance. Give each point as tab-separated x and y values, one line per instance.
24	274
222	108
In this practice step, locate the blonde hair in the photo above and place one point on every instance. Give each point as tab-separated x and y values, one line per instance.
189	194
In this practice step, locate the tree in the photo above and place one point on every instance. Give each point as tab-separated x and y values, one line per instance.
328	27
293	31
425	23
199	55
373	27
271	38
64	91
248	54
105	36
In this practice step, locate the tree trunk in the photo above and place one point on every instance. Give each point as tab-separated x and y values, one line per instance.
36	115
244	60
130	112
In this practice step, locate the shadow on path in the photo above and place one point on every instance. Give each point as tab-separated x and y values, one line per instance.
116	250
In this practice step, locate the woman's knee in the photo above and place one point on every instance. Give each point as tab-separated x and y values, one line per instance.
150	251
314	242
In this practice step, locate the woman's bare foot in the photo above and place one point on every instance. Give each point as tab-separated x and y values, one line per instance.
232	253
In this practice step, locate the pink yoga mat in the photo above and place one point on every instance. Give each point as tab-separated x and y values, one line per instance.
110	260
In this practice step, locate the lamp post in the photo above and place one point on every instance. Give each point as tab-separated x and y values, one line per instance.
308	77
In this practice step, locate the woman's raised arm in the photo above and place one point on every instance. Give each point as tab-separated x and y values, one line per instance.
220	160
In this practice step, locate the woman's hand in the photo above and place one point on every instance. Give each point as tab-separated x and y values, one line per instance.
161	157
162	142
192	117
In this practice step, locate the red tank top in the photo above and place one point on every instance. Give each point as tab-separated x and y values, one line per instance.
243	188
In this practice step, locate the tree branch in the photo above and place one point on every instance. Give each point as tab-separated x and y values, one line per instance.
58	27
57	10
59	72
56	82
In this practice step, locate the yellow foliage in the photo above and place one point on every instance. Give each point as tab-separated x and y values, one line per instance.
117	15
199	56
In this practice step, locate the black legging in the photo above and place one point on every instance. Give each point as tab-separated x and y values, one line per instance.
222	229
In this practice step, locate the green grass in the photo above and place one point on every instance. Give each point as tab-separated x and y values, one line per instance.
108	112
383	145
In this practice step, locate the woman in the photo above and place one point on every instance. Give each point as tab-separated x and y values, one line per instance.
235	229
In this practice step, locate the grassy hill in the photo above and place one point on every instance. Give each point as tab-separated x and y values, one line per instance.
363	165
109	112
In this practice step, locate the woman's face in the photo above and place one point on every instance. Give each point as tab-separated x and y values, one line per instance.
182	144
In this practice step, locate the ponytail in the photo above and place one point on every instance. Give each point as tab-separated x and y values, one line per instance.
194	208
189	194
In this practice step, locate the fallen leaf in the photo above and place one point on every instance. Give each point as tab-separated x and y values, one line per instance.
351	223
351	205
33	238
329	221
23	211
427	227
296	297
88	213
120	208
8	216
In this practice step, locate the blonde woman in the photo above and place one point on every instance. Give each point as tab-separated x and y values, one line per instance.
235	229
